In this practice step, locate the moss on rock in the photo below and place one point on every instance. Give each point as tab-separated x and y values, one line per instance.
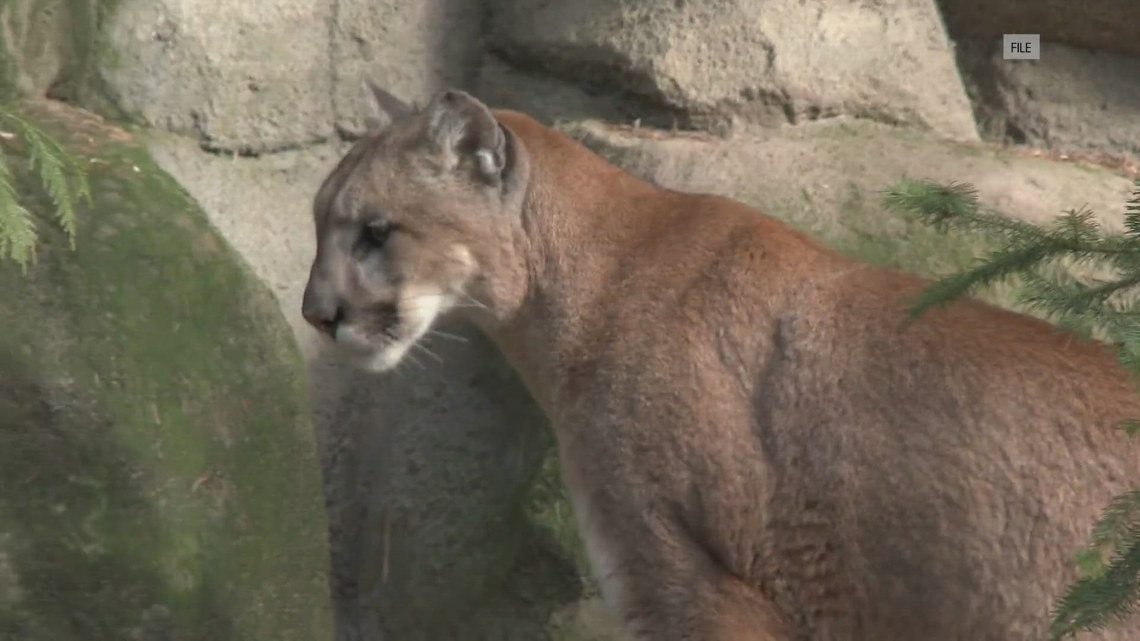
158	477
49	46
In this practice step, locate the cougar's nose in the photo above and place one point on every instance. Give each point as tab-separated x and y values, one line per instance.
322	311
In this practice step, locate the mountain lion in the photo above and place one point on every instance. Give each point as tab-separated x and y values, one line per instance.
756	444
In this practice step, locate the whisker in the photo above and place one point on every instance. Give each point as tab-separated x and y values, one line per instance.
474	302
427	351
411	357
449	336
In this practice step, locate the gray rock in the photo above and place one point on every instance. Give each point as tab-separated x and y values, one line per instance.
412	48
828	176
767	61
46	45
239	76
1104	25
1071	99
158	476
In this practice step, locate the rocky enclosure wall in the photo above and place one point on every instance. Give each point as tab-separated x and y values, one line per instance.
279	74
445	523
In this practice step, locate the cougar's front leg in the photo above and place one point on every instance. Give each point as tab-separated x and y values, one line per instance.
663	584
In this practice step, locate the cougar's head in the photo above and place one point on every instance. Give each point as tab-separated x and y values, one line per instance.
421	217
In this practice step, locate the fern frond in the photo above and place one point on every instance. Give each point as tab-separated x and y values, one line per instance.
17	229
57	170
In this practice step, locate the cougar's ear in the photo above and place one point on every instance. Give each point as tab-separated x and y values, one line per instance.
463	131
380	107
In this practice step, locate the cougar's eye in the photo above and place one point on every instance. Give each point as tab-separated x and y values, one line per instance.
377	233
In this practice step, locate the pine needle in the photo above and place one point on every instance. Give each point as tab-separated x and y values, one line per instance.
1100	600
1044	261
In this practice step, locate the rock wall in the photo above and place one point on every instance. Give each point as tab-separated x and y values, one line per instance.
282	74
1082	95
255	78
1073	100
158	476
445	515
1095	25
48	45
713	63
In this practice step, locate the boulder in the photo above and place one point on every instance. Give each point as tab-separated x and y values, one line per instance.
1072	99
46	45
158	475
1098	25
268	76
243	77
411	48
708	63
828	177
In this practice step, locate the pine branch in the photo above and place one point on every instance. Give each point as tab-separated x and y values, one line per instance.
1132	212
953	206
1120	518
1064	295
1100	600
998	266
1044	258
1076	236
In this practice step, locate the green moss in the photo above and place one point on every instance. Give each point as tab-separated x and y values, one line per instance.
54	47
548	506
157	467
859	226
864	229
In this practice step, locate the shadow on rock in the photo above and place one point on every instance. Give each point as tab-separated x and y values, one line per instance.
428	471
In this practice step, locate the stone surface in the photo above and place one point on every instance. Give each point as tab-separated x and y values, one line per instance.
413	48
45	43
1071	99
812	175
552	99
767	61
158	472
267	76
1102	25
239	76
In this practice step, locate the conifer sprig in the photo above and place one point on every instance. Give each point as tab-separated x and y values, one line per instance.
1086	278
1024	250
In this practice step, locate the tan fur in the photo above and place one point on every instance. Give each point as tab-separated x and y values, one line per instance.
757	447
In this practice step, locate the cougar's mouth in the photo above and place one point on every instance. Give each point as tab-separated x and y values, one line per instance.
391	331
